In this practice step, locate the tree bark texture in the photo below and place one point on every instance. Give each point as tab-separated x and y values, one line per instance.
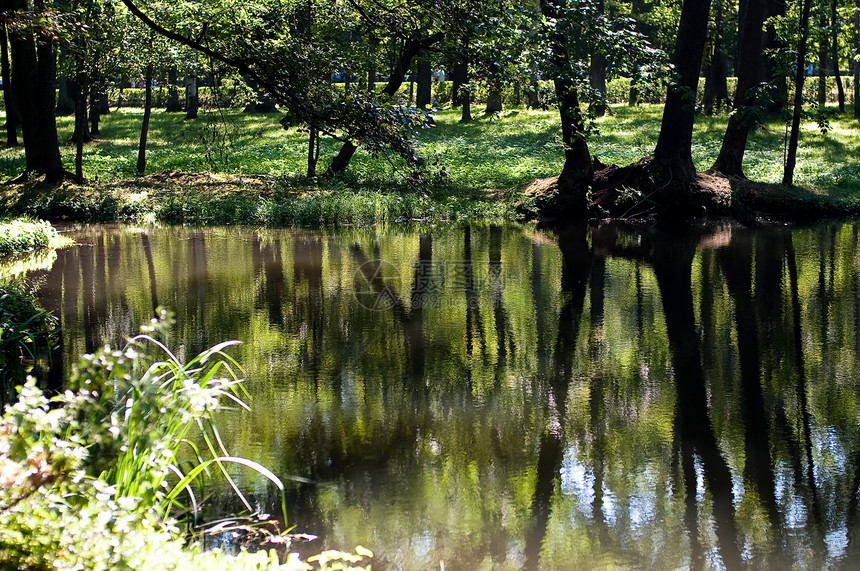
459	77
673	153
65	96
730	159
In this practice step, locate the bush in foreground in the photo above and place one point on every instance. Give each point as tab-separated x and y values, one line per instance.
22	235
89	479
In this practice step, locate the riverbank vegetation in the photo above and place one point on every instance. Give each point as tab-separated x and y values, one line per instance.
101	475
255	175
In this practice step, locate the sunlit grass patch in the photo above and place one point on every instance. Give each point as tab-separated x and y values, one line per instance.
23	235
499	153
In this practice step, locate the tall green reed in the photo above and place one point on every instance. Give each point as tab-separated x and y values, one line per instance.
143	404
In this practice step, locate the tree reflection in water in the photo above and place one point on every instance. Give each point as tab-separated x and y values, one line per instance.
591	397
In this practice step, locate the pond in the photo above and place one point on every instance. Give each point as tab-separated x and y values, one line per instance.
506	397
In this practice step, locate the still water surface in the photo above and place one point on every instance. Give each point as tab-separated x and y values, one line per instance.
507	397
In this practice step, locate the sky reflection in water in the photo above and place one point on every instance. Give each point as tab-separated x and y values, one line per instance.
507	397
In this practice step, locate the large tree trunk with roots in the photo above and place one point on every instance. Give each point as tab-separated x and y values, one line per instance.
577	173
33	66
673	156
730	159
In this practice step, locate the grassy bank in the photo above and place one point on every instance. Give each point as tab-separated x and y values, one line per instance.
22	235
485	162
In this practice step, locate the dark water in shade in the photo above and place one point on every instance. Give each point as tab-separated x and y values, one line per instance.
506	397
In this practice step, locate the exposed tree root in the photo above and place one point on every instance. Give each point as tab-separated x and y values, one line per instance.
639	191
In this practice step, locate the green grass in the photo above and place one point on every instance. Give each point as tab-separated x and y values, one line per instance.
24	235
484	161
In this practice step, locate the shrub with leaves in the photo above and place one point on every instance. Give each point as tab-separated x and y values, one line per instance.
22	235
25	328
89	478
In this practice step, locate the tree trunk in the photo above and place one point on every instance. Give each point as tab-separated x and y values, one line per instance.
408	51
66	103
459	77
742	15
633	96
597	76
730	159
81	133
822	60
261	104
716	91
33	67
313	151
8	97
95	112
466	100
46	96
834	54
371	78
773	75
192	102
80	97
799	76
144	129
423	95
857	63
577	173
173	104
673	153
